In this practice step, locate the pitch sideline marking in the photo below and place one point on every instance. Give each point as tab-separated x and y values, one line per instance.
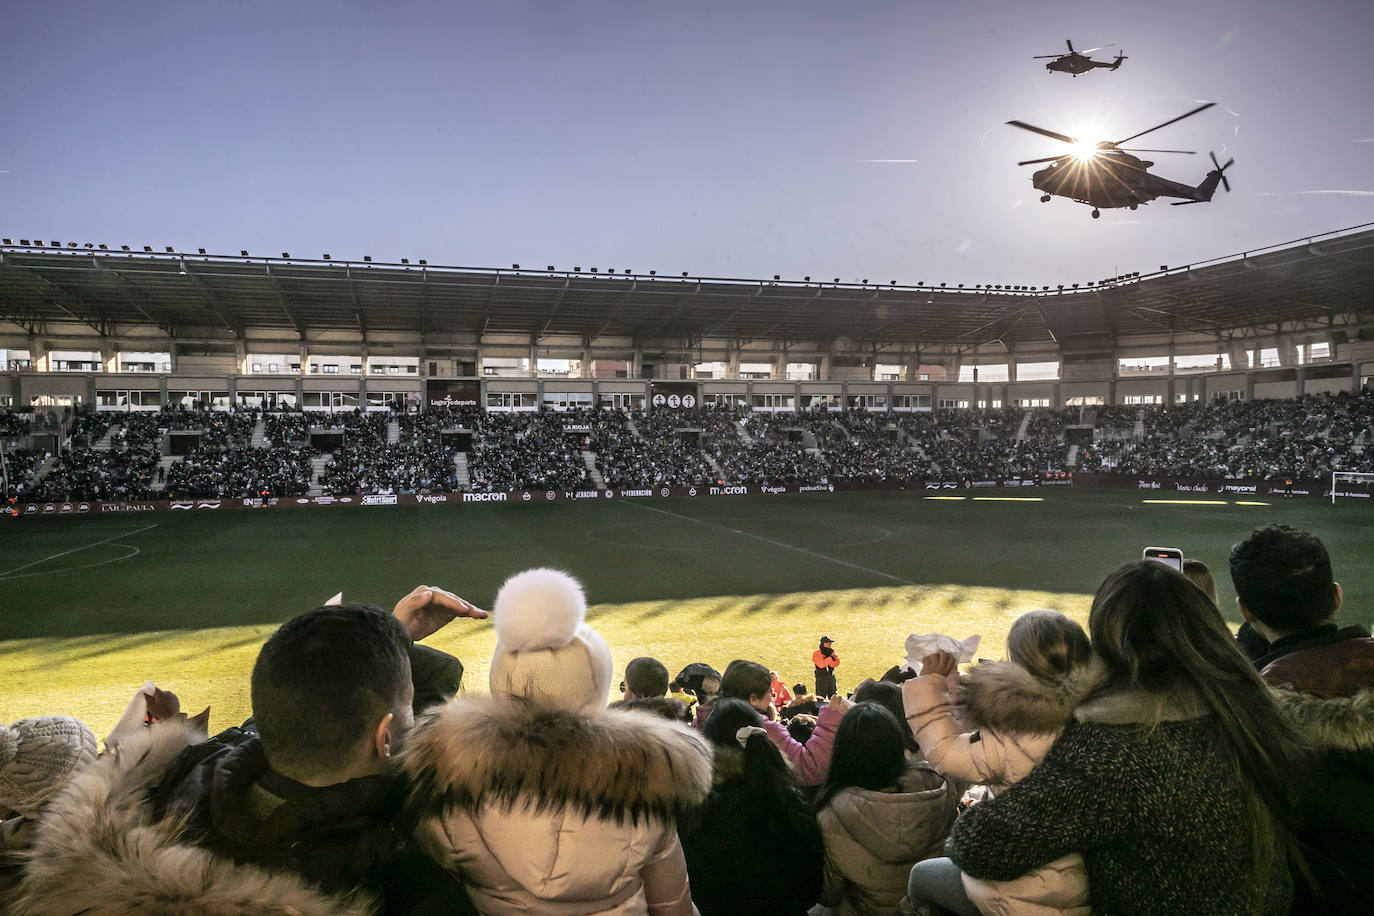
759	537
66	569
55	556
596	534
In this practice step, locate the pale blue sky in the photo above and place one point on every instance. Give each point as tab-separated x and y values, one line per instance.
721	138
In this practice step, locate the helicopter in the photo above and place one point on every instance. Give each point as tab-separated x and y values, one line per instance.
1106	175
1076	62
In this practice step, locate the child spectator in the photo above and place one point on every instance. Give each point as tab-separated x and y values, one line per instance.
539	796
751	682
1017	709
753	809
781	695
879	814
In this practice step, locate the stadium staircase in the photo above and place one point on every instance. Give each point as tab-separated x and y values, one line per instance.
259	434
634	430
393	432
1072	459
165	464
715	467
744	431
1139	432
106	442
460	470
1025	425
317	465
589	459
43	468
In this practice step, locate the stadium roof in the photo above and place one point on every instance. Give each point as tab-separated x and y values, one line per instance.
1312	281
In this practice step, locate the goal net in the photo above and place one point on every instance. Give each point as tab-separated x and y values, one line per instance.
1363	481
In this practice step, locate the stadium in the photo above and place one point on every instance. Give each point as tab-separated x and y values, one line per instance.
574	582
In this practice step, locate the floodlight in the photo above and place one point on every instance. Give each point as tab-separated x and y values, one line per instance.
23	241
89	245
550	267
1164	267
201	250
593	270
515	267
961	286
776	277
894	282
807	279
423	261
1075	286
865	281
147	247
243	253
367	258
405	260
837	279
286	254
123	247
169	249
1061	285
653	273
327	257
103	247
7	241
69	244
578	270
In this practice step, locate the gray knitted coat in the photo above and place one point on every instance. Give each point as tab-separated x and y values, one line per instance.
1155	810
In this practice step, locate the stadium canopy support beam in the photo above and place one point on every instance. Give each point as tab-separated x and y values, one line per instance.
615	309
741	304
225	314
54	293
285	305
676	313
357	308
553	309
137	298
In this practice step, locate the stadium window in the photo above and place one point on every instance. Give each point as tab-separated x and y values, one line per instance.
1311	352
887	372
1037	372
709	370
107	399
330	369
257	367
1138	365
801	372
1202	362
996	403
355	369
993	372
412	370
1268	358
1142	399
1091	400
272	368
756	370
953	403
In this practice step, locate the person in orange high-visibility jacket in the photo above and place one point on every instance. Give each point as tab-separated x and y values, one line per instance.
826	661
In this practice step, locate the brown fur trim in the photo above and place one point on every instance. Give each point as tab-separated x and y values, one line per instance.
1344	723
96	851
670	708
1006	698
612	764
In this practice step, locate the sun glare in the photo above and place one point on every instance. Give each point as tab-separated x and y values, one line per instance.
1083	151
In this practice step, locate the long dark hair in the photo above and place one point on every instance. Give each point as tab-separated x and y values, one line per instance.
1154	629
868	753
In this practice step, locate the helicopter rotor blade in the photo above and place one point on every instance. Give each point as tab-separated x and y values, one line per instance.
1188	114
1042	56
1042	132
1095	50
1070	44
1038	161
1181	152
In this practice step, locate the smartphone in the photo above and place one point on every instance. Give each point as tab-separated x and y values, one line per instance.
1171	557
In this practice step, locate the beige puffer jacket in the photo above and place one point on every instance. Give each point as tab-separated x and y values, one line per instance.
579	820
1015	719
873	838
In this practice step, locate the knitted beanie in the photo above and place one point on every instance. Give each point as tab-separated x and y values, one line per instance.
545	652
37	757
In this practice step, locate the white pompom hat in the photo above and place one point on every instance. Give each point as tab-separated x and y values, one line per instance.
545	651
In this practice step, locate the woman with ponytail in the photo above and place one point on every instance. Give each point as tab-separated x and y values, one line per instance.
753	846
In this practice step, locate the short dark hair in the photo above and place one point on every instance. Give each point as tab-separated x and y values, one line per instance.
323	679
745	679
647	677
1283	576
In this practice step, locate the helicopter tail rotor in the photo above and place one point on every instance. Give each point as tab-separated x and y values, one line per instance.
1221	170
1117	63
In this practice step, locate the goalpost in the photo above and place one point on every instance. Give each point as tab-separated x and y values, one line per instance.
1349	477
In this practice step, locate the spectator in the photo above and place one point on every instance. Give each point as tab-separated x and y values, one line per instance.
37	758
646	686
297	811
879	814
540	797
889	696
1286	592
1017	709
1175	779
1198	574
752	683
1284	586
753	808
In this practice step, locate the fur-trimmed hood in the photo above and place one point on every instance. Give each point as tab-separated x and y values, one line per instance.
613	764
97	849
670	708
1004	697
1342	723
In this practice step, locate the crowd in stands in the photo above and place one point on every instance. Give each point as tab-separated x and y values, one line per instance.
232	471
1153	763
1301	438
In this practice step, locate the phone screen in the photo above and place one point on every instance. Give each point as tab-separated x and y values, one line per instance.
1171	557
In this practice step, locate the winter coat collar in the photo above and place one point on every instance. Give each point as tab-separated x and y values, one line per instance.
1315	637
612	764
99	848
1006	698
1137	706
1342	723
902	824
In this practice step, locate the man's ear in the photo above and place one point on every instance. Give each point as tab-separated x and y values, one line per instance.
384	738
1340	596
1244	611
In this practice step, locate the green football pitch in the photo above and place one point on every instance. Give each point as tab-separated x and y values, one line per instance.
90	608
